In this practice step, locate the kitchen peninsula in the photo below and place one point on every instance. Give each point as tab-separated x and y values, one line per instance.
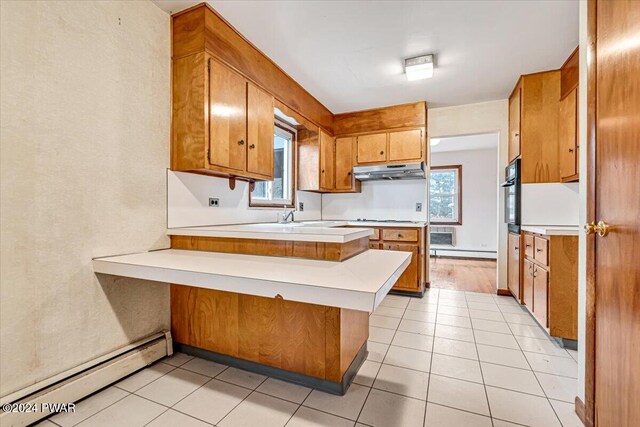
297	307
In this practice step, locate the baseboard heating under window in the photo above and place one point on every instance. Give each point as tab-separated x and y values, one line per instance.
462	253
81	381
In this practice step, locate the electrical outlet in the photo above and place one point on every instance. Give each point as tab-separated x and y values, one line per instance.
300	206
418	207
213	202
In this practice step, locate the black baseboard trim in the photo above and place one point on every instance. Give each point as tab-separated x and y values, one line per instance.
504	292
570	344
338	388
418	294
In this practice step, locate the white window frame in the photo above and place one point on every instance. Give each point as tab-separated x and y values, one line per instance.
457	195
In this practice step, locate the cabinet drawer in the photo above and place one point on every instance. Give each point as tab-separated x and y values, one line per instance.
400	235
542	250
528	245
376	234
374	245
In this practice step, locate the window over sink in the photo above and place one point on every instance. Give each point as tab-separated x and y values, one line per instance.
279	192
445	195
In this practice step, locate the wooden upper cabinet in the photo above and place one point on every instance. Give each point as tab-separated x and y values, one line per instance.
533	126
568	136
227	117
514	124
405	145
344	164
260	129
327	161
372	148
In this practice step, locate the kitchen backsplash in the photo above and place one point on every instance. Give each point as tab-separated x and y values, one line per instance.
188	202
550	204
379	200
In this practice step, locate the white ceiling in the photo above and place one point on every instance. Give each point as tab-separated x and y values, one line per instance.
483	141
348	54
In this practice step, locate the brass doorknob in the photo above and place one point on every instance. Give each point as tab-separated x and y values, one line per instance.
601	228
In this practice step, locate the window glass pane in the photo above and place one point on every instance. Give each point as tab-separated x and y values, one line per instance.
444	187
279	191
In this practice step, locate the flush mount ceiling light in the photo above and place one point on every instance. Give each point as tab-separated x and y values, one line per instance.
419	67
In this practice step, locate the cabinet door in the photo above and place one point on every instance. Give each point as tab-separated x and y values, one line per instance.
227	117
527	284
409	279
260	123
327	161
567	134
541	294
514	124
344	164
372	148
513	265
405	145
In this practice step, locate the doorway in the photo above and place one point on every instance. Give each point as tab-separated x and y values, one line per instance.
463	212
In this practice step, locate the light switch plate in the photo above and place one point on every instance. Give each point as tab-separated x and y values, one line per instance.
418	207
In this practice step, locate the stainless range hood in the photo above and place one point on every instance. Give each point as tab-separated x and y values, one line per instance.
397	171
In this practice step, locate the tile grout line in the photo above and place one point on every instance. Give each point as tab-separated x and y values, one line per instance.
381	363
433	344
243	399
484	385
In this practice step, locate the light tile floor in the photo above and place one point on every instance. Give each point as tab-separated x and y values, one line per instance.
449	359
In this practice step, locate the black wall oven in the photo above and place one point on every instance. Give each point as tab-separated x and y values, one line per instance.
512	188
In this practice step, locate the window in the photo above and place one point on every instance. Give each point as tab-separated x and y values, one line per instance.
445	195
280	191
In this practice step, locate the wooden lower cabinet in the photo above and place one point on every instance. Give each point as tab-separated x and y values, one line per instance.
550	283
410	279
309	339
513	266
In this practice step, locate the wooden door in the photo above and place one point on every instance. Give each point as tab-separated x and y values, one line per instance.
409	279
541	294
327	162
344	163
514	124
371	148
616	175
527	284
227	117
405	145
260	124
513	265
567	134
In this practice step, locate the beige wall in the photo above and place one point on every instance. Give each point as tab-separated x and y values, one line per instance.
485	117
85	113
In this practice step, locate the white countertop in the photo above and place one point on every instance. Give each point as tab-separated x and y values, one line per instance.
312	231
359	283
307	231
402	224
552	230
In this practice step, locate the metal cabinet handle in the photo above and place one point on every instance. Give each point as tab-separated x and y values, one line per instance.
382	152
241	142
252	146
571	150
538	250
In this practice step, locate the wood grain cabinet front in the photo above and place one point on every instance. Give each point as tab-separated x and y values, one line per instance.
222	124
568	136
513	265
405	145
550	283
327	162
533	126
410	279
372	148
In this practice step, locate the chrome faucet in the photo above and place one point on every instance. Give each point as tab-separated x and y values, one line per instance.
287	217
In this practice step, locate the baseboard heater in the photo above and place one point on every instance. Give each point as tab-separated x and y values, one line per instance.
81	381
462	253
